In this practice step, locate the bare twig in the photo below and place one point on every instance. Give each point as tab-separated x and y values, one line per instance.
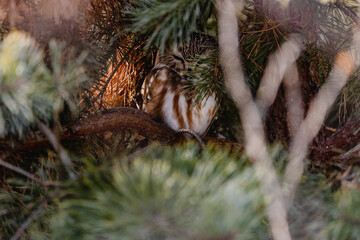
254	133
63	155
354	151
28	221
25	173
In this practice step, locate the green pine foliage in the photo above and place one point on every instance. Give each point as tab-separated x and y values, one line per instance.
206	78
25	84
259	38
173	193
349	103
165	193
30	91
169	23
344	220
17	203
20	197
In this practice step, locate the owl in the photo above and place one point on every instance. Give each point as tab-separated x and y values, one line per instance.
163	92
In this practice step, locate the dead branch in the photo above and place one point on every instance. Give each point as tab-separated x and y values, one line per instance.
354	152
333	151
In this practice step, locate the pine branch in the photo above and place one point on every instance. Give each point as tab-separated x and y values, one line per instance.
136	200
169	23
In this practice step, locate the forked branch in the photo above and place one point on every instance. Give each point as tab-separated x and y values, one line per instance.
309	128
256	146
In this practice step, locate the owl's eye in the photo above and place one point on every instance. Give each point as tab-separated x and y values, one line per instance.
179	58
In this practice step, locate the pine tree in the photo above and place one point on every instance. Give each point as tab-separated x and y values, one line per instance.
80	161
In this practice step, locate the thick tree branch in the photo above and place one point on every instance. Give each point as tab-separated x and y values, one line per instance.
129	119
124	119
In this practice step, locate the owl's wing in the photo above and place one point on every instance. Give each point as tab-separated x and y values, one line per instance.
147	85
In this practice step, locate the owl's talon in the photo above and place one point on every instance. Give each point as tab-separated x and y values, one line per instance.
194	134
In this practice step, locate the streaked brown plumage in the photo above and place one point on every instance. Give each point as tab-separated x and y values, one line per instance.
163	91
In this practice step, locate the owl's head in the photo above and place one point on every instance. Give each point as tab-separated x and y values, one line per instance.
173	60
180	58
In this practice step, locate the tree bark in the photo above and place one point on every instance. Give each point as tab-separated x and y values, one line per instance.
119	119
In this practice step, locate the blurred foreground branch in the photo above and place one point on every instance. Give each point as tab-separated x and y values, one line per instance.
256	146
319	107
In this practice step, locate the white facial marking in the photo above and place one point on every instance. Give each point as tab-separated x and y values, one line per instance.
162	75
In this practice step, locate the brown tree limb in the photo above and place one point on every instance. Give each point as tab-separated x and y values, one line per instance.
129	119
124	119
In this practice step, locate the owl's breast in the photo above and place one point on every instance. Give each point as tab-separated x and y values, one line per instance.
165	100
